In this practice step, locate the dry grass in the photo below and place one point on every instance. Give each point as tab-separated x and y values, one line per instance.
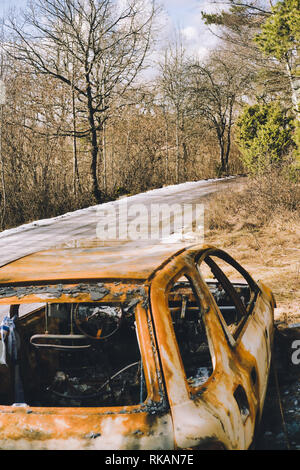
263	234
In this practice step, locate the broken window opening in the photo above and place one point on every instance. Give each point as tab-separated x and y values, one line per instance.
76	354
234	294
242	402
190	332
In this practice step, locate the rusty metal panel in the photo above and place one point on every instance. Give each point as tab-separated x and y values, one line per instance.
83	429
145	426
220	413
79	292
213	412
87	260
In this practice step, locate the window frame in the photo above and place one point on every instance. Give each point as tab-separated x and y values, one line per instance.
155	390
191	277
244	312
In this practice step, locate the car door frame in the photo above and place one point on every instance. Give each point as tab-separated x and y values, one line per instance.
225	422
256	332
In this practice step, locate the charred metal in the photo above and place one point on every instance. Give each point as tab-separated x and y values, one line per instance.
96	292
164	351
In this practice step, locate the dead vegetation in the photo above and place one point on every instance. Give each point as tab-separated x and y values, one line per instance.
259	224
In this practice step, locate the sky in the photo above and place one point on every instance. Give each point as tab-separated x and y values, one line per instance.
186	17
183	15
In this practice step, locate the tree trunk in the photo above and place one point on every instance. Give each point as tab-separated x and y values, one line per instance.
185	158
223	165
167	150
177	149
104	158
95	149
227	153
3	195
94	166
76	180
222	150
295	87
184	147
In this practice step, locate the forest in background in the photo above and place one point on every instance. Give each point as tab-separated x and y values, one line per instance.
83	121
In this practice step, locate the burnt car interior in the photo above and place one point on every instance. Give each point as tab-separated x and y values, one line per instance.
74	354
235	300
87	354
190	332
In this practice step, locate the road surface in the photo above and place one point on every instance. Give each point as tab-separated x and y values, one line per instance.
85	223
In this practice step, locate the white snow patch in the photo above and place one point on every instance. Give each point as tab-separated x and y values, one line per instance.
166	190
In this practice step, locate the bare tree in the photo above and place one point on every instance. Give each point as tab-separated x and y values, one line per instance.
173	83
95	47
2	102
217	86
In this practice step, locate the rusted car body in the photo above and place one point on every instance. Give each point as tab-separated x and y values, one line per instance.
121	347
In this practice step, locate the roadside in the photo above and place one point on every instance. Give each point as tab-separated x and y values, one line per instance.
271	254
264	238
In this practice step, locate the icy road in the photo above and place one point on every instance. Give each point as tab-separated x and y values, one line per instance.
42	234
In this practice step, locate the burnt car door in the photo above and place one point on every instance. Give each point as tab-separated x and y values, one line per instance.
213	380
197	361
243	307
247	316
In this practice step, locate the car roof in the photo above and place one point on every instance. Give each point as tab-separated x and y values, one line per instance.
90	259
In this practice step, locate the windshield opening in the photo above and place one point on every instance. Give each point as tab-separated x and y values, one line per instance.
83	354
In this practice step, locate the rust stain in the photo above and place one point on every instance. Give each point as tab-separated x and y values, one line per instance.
178	412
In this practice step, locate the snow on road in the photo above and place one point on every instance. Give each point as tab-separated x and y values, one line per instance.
85	223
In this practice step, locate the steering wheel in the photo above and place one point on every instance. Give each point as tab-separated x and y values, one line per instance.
101	324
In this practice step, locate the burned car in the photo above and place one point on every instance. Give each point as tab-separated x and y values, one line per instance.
115	346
